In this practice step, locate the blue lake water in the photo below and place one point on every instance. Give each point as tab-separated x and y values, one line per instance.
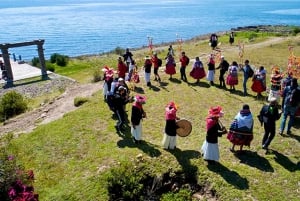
80	27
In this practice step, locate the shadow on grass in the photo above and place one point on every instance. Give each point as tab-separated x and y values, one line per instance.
139	90
199	84
229	176
163	85
127	141
183	158
284	161
254	160
175	80
154	88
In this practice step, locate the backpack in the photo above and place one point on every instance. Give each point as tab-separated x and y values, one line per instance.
187	61
159	62
293	97
250	72
225	65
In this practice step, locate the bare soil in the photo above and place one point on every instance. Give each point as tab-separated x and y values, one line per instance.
51	111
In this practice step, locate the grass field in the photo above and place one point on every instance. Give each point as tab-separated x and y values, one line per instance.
72	157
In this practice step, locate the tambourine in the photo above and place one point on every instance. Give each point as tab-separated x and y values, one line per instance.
185	127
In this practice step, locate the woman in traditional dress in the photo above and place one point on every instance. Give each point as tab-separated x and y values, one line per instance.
198	71
275	91
241	128
170	66
137	115
211	70
108	78
147	68
122	68
232	78
259	81
214	129
169	140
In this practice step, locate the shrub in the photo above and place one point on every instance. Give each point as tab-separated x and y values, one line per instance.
53	57
124	182
79	101
118	50
182	195
15	182
11	104
60	60
97	76
35	61
296	30
50	67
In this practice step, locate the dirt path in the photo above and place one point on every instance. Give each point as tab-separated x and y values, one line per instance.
51	111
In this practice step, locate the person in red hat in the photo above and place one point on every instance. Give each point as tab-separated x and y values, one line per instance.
137	115
169	140
214	129
108	78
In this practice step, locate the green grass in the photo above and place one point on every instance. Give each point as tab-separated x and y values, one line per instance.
71	157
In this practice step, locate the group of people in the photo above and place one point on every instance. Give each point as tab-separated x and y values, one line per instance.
240	132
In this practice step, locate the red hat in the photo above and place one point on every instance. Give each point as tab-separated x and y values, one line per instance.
172	105
215	111
140	99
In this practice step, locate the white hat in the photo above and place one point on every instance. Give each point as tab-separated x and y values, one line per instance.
273	100
120	79
222	56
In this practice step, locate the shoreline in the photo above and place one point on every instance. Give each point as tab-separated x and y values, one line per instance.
280	29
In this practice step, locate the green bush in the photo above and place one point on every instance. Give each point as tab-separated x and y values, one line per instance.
125	182
35	61
50	66
97	76
182	195
296	30
118	51
11	104
60	60
79	101
53	57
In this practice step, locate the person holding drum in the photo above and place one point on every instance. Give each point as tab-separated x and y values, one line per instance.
169	140
137	115
214	129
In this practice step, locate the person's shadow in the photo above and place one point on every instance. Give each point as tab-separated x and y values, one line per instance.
229	176
199	84
183	158
127	141
285	161
254	160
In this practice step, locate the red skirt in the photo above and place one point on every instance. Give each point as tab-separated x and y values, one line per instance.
239	138
257	86
170	69
198	73
232	80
